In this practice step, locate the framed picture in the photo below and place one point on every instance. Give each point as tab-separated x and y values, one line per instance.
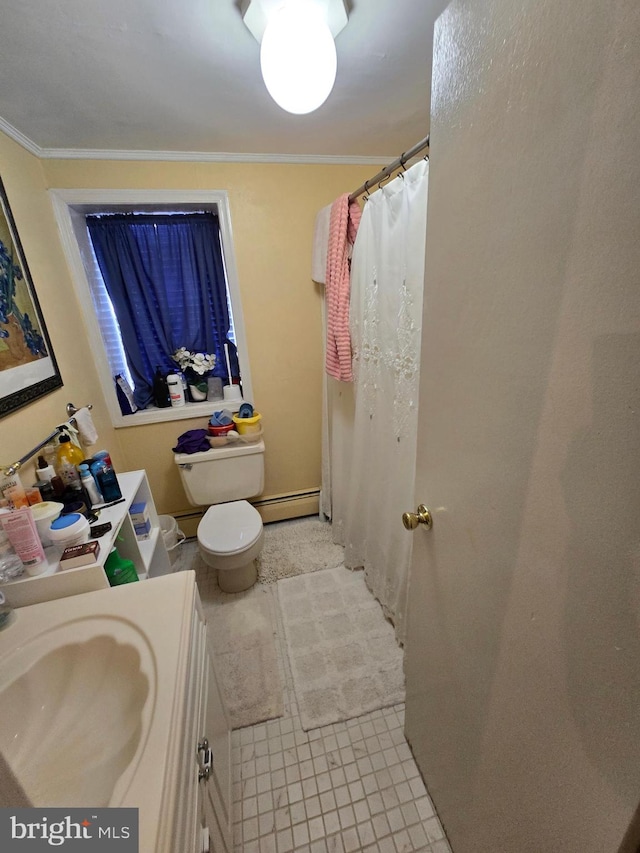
28	368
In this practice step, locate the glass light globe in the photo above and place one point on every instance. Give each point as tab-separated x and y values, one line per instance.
298	58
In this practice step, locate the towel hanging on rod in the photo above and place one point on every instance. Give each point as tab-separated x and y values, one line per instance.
71	410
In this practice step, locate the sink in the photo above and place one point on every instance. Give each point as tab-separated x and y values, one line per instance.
76	704
96	700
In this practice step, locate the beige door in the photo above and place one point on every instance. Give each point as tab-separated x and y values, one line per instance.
523	656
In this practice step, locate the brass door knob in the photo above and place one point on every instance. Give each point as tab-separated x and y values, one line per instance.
421	516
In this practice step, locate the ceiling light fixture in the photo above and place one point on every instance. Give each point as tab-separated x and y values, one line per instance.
297	54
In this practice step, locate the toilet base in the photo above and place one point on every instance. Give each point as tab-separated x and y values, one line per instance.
236	572
237	580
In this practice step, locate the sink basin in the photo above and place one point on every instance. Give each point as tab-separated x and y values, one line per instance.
76	703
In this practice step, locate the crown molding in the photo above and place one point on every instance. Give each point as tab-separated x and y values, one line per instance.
210	157
20	138
187	156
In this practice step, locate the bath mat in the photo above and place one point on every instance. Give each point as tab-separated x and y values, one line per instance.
296	547
343	653
242	633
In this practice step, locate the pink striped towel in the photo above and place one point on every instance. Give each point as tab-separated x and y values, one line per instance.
343	227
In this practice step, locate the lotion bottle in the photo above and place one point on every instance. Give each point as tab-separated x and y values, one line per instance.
21	530
176	391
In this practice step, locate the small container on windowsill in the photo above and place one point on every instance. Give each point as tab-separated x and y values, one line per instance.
232	394
198	391
214	388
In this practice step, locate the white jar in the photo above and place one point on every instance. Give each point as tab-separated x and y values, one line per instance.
71	529
44	513
176	391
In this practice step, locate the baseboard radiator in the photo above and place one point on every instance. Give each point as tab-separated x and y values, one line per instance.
271	508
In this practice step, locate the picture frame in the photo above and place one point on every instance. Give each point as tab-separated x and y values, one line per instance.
28	367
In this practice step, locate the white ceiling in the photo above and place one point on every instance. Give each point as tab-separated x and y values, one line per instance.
184	76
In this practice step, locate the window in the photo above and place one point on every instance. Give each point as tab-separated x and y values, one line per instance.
163	276
166	222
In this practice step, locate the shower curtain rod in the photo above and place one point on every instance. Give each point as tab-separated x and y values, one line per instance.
388	170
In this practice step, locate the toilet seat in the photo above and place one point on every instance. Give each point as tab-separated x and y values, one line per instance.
229	528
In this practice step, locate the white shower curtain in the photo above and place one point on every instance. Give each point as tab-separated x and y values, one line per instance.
374	455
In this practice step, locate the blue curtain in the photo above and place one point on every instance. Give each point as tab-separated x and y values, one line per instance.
165	277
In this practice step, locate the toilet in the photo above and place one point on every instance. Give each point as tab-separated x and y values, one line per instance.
230	534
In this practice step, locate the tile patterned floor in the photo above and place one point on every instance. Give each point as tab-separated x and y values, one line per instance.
346	787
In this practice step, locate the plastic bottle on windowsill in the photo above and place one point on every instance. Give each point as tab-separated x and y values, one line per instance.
176	390
160	390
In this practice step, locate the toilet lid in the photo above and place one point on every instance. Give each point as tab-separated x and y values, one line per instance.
229	528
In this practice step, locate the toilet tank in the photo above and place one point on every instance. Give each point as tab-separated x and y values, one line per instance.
230	473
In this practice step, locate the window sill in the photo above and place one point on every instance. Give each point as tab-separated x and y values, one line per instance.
152	415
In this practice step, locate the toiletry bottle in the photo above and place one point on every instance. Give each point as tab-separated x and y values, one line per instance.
89	484
119	570
68	457
34	496
160	390
58	488
46	490
45	472
95	466
12	490
20	527
176	391
103	471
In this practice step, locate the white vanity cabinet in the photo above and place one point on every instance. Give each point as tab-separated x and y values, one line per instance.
203	821
136	686
149	556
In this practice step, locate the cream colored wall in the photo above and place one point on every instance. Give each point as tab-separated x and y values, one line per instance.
24	183
273	210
